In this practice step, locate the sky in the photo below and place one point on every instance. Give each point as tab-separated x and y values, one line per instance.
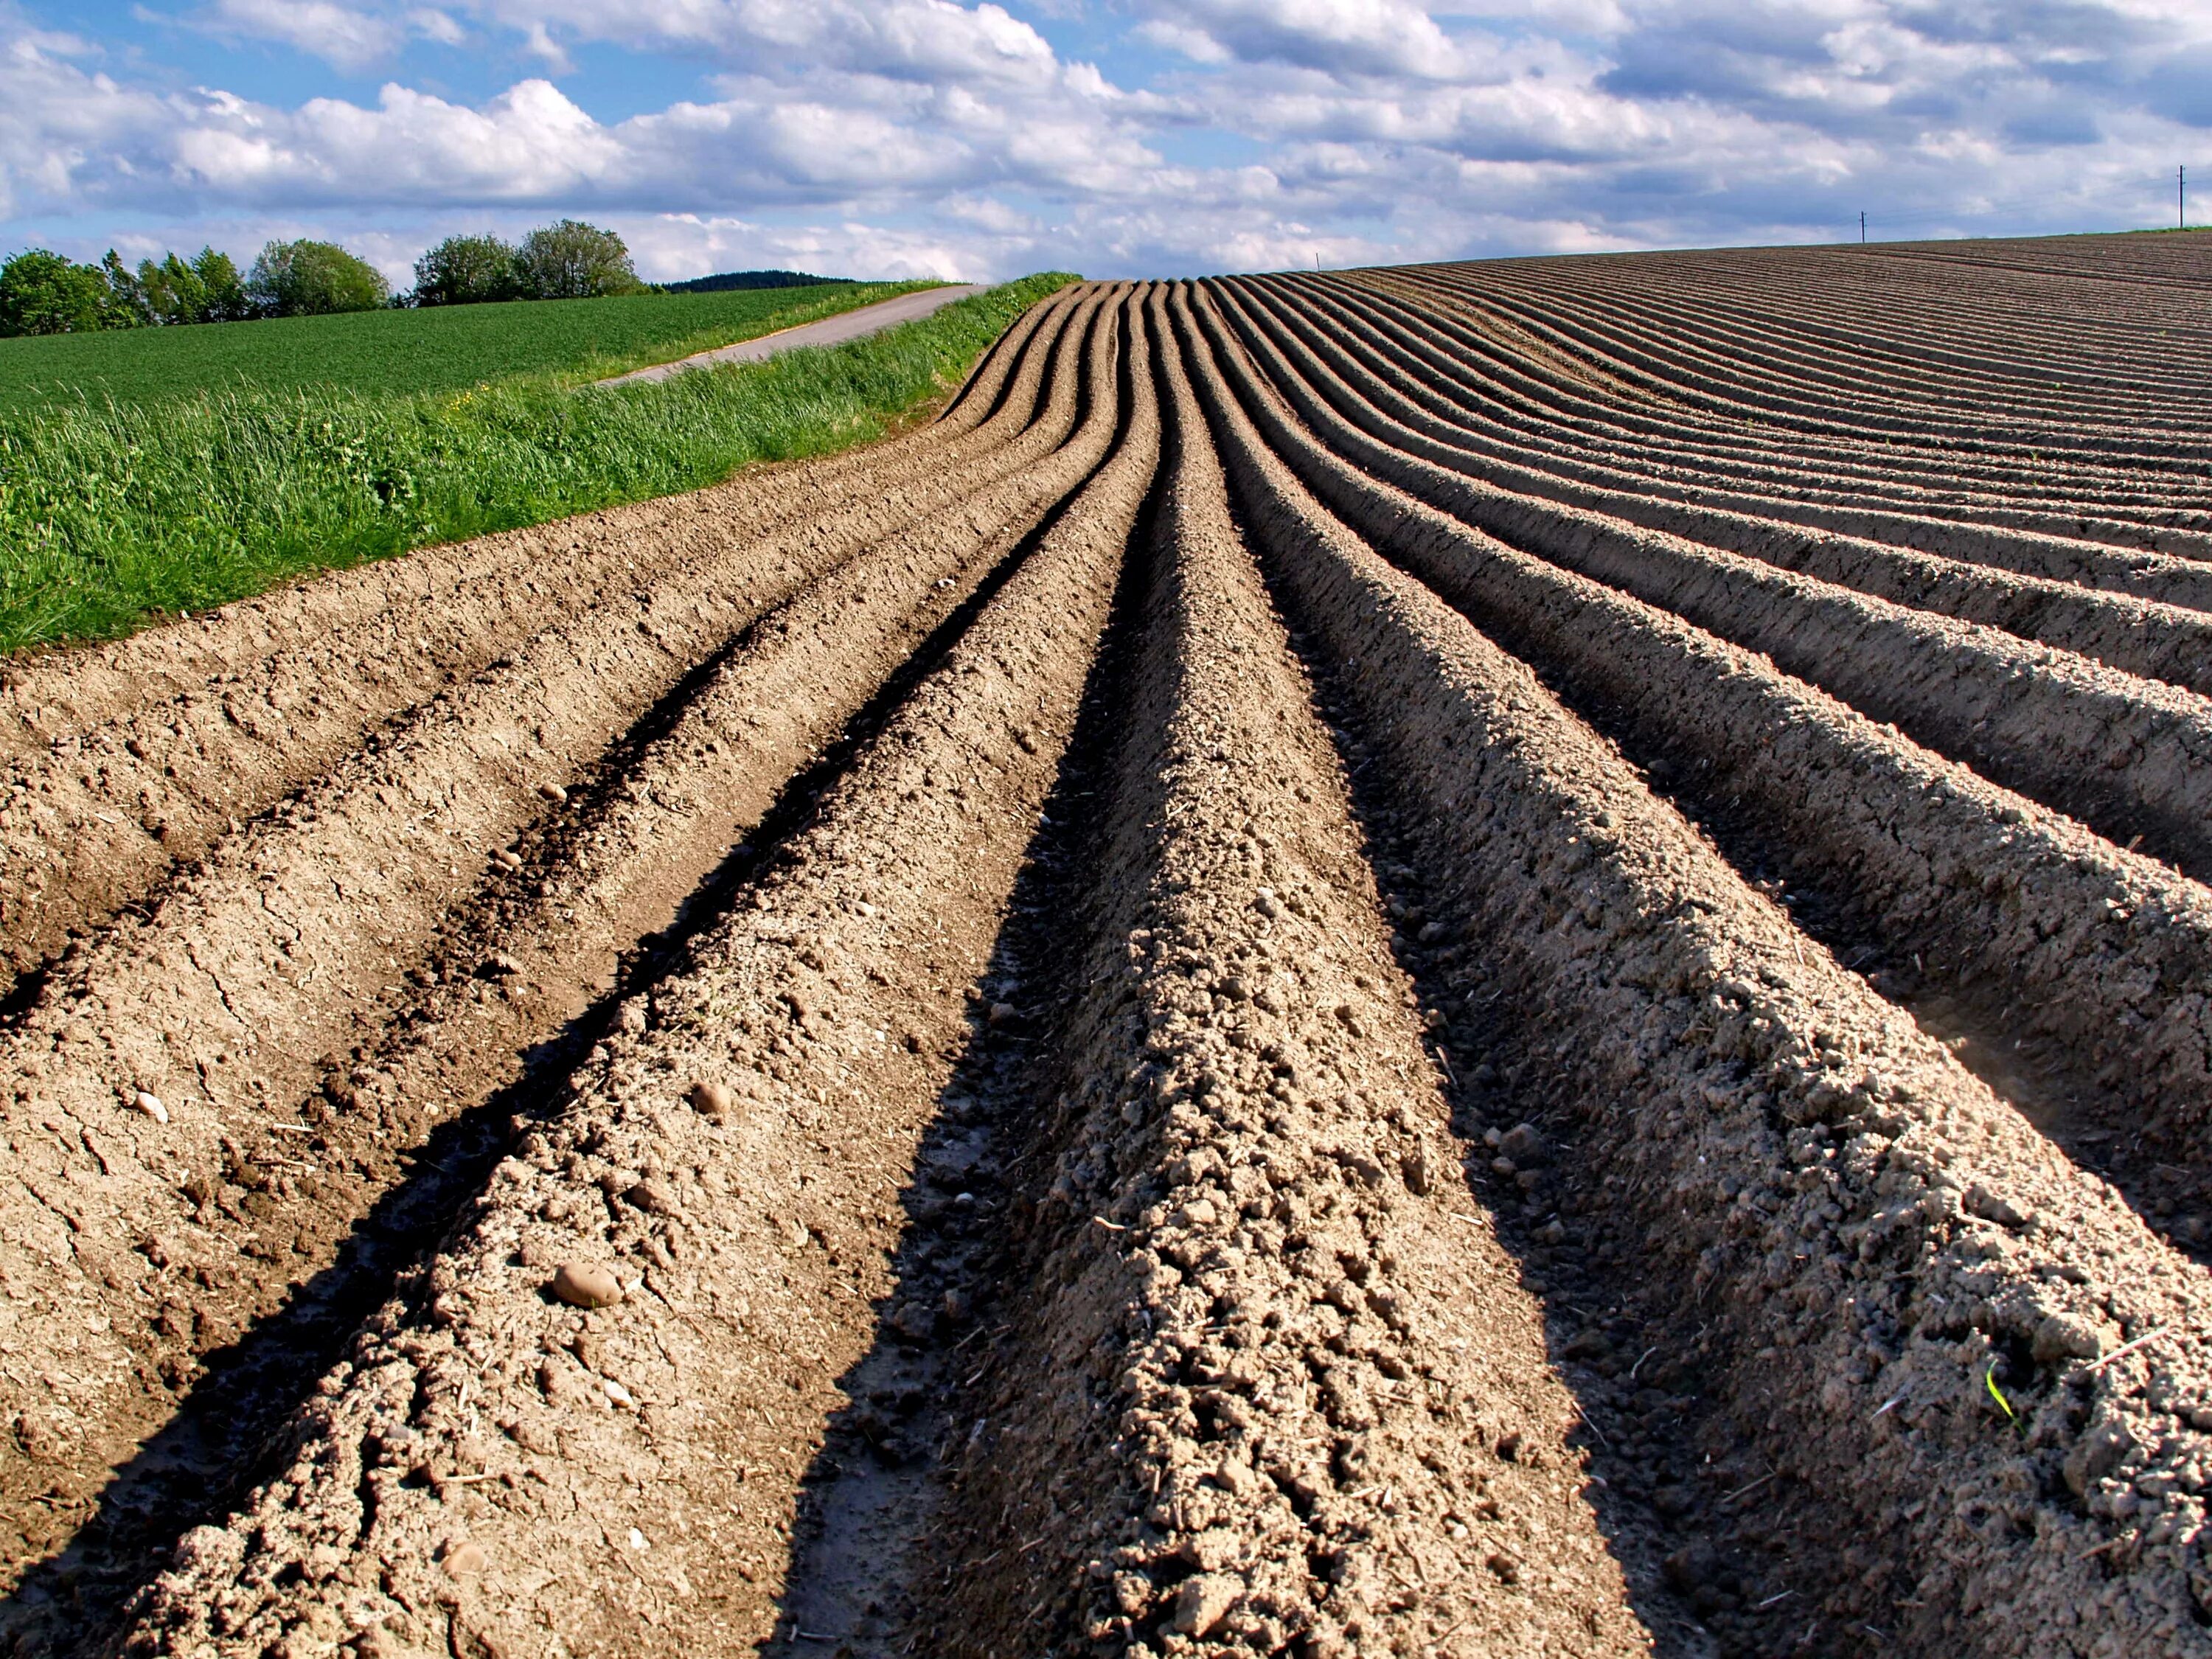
896	138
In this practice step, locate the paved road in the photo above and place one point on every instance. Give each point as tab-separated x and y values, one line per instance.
830	330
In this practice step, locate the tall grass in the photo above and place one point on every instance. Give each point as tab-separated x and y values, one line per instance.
108	516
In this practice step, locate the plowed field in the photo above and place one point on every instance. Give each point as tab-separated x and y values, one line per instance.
1466	960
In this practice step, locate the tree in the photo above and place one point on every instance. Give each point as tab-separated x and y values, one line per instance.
227	301
42	293
123	300
174	293
572	260
313	279
205	290
464	271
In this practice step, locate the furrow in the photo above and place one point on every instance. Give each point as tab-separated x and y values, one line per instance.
2161	641
1444	383
127	762
1611	410
2127	755
1242	1413
492	1470
1705	391
1914	1307
1549	396
287	945
2104	953
1981	397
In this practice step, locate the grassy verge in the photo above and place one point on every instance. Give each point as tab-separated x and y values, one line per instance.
385	353
110	516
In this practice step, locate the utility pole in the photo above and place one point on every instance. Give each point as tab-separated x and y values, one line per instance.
2181	198
1862	227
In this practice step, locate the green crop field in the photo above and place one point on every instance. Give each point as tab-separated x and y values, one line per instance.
112	514
443	348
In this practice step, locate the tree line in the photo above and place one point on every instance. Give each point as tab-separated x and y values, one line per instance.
43	293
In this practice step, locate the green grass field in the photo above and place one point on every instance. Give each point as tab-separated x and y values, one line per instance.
112	515
385	352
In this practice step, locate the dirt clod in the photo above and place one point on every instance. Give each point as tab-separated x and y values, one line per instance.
1203	1600
586	1284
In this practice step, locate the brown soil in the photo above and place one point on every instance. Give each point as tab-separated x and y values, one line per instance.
1277	988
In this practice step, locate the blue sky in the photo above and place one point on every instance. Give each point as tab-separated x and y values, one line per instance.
1116	137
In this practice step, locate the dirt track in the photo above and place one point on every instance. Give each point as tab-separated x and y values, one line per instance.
1465	960
830	330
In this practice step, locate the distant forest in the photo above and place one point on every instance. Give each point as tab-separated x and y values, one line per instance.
730	279
43	293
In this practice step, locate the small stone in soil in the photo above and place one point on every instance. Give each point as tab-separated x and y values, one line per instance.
464	1559
1521	1144
713	1101
586	1284
553	791
151	1105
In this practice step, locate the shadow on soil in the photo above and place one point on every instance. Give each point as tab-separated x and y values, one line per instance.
864	1566
1630	1352
2092	1117
229	1430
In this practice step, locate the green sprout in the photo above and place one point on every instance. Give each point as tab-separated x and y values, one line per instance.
1989	1381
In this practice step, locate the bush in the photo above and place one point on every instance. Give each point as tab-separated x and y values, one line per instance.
572	260
314	279
207	289
42	293
465	270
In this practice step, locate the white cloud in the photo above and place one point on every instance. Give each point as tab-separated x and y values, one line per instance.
932	137
1335	37
1194	44
675	245
348	38
436	25
920	39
